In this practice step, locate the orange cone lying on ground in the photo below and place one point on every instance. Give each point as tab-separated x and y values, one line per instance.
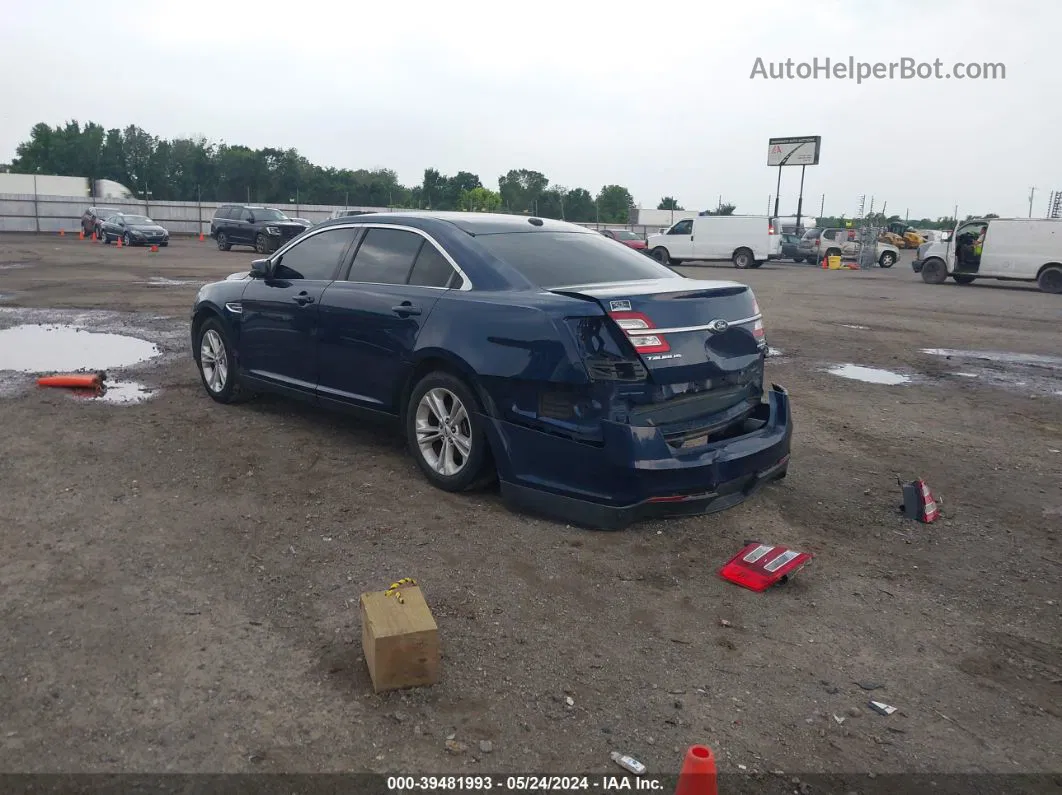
698	773
73	381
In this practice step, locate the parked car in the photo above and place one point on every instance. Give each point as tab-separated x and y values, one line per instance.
746	240
262	228
627	238
817	243
526	349
133	230
307	224
1012	249
93	217
790	247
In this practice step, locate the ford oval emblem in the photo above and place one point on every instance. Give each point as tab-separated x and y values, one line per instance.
719	326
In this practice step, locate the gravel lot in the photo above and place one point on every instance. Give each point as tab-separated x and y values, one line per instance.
181	579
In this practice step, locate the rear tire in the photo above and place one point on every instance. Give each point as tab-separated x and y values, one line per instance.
934	272
1050	279
962	278
887	259
660	255
743	259
444	433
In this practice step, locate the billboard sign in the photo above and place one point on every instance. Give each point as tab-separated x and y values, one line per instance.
794	151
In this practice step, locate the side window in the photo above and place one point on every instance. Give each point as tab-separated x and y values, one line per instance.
432	270
385	256
682	228
315	257
245	214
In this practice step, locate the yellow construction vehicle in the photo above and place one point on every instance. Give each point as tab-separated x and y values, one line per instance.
908	236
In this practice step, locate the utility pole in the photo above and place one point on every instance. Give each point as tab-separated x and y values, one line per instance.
1032	193
800	197
777	191
822	207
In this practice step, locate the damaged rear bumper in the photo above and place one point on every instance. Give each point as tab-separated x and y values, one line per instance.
635	475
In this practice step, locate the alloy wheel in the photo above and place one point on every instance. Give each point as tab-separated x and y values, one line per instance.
214	361
444	431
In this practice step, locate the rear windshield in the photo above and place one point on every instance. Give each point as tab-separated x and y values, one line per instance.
557	259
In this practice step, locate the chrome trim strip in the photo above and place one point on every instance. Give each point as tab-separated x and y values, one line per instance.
684	329
235	307
466	283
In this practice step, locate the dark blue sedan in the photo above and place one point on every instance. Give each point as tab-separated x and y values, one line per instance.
597	386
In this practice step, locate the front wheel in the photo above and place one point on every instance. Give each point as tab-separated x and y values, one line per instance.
934	272
743	258
1050	279
260	244
444	434
216	363
660	255
962	278
887	260
127	240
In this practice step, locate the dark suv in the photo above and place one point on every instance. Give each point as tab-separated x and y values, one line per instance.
93	217
262	228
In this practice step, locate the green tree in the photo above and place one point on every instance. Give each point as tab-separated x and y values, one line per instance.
579	206
480	200
724	208
521	190
614	204
669	203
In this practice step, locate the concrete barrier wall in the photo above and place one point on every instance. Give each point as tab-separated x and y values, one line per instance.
49	214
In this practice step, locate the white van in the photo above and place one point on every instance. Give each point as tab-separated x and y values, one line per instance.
746	240
1014	249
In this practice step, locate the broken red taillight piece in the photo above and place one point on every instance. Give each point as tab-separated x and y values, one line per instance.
759	566
638	329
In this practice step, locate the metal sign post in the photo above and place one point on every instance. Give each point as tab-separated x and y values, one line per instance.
802	151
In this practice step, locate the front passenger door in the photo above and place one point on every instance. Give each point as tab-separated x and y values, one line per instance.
278	324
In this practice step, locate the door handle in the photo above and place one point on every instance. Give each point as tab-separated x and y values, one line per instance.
406	308
302	299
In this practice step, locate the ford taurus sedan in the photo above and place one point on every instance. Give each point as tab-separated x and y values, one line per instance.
596	385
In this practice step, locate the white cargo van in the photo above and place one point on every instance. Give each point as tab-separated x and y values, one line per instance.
1014	249
746	240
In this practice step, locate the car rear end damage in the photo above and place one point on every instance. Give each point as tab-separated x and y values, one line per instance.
673	417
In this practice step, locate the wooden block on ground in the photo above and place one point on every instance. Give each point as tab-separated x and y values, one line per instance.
400	639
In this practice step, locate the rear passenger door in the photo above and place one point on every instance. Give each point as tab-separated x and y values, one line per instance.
371	316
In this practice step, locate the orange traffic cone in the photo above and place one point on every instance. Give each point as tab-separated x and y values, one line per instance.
93	235
154	249
200	237
62	233
81	234
698	773
119	242
73	381
825	262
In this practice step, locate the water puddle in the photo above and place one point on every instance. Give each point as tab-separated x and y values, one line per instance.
6	296
1029	371
860	328
43	348
1002	357
159	281
122	393
869	375
10	266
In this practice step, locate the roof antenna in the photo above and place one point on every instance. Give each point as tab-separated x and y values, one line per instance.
535	221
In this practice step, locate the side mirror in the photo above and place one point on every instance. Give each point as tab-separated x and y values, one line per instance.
260	268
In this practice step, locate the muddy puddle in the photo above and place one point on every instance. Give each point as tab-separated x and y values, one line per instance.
10	266
161	281
43	348
122	393
868	375
1029	372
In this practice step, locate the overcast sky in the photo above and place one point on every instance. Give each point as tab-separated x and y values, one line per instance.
654	96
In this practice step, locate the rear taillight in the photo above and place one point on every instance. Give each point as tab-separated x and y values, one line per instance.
638	329
770	228
757	328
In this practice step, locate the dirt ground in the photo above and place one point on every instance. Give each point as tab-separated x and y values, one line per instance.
180	579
